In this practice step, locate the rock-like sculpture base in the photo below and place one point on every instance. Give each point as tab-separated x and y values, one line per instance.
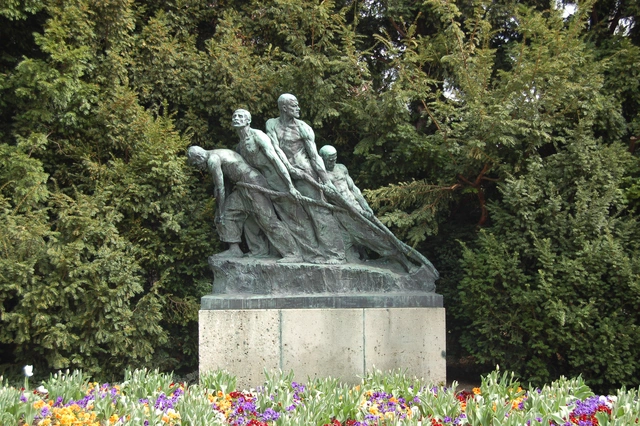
249	276
320	321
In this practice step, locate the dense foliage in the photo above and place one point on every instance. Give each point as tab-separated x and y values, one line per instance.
497	137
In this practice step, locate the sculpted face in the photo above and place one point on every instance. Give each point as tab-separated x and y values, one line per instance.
291	108
330	162
240	118
197	156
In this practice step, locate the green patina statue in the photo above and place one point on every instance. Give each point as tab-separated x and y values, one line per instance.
291	202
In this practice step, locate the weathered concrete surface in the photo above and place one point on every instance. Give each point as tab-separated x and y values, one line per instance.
343	343
412	337
322	342
266	276
243	342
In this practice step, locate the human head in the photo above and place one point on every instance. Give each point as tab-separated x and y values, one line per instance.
197	156
288	105
329	156
240	118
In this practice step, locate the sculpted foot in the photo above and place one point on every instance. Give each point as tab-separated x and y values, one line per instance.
233	251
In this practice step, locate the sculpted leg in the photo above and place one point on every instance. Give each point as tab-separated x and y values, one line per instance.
277	233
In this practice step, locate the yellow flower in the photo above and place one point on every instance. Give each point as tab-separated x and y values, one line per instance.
476	391
44	422
38	404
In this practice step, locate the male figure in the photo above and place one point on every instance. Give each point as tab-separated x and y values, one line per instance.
358	231
294	141
233	211
258	151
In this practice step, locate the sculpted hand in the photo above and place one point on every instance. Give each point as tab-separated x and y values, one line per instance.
296	194
330	189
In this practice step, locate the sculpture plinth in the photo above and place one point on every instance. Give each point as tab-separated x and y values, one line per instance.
375	284
320	320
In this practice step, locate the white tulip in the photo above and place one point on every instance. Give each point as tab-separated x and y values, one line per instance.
28	370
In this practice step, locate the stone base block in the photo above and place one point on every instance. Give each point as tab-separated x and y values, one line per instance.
342	343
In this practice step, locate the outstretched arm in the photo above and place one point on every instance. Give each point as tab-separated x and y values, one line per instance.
309	139
215	168
357	194
275	158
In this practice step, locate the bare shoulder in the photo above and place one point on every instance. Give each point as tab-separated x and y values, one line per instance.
304	128
341	168
226	154
260	136
270	125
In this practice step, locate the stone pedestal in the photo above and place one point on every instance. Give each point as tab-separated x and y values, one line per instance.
343	343
319	321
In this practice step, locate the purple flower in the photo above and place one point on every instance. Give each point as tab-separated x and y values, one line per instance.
270	415
416	400
297	387
370	418
45	412
23	398
59	402
447	419
291	407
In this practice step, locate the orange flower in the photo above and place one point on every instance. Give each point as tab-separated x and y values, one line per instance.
476	391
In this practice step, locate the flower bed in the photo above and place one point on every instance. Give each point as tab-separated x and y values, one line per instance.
152	398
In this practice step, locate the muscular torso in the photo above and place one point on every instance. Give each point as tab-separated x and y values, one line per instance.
293	146
339	177
235	168
254	155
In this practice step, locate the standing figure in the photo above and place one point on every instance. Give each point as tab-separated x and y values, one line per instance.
258	151
355	230
243	203
294	142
